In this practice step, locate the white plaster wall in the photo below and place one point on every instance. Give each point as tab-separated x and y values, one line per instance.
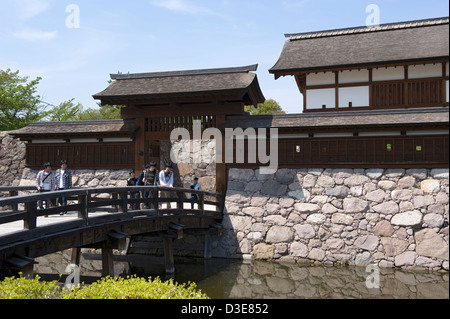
353	76
359	96
388	74
316	98
320	78
424	71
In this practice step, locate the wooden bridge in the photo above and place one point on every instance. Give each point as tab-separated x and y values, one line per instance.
105	220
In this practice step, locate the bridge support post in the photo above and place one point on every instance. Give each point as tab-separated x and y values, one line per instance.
107	260
76	256
208	248
168	255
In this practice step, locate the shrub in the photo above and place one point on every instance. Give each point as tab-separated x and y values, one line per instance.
105	288
22	288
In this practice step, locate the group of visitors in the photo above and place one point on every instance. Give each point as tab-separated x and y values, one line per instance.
150	176
61	179
47	181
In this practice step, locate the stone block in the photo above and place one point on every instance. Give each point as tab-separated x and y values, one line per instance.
412	218
355	205
342	219
430	244
305	231
367	242
383	229
263	251
394	246
430	186
279	234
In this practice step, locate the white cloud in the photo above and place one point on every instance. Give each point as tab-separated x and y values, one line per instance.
35	35
32	8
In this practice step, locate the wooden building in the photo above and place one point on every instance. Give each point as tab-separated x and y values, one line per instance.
154	105
397	65
372	97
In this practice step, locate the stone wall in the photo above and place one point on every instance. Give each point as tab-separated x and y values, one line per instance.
191	164
12	160
391	218
84	178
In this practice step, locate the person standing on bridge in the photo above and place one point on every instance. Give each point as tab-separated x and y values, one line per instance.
148	177
63	177
166	180
197	187
133	181
45	182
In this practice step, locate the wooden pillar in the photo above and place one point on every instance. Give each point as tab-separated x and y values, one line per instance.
107	260
140	146
76	256
168	255
208	248
31	209
221	168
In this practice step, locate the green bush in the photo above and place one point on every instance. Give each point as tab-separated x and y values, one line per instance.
22	288
105	288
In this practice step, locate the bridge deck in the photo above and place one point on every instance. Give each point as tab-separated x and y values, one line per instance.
95	217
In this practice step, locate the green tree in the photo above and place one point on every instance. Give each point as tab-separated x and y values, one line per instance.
69	111
19	104
106	112
268	107
66	111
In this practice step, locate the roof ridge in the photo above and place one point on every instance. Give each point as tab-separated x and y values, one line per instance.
242	69
365	29
88	122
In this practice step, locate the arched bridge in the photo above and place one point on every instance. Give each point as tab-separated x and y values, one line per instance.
107	218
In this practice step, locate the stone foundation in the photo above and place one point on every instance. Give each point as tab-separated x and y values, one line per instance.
391	218
12	160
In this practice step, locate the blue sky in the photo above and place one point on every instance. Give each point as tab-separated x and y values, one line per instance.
164	35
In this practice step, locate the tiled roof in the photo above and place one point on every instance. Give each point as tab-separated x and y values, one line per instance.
362	46
148	87
107	127
365	29
342	119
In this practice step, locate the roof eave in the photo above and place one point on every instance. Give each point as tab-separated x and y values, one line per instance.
284	72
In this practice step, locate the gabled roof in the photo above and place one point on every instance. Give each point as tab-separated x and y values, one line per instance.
151	88
362	46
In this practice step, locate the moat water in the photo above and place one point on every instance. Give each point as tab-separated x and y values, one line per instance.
236	279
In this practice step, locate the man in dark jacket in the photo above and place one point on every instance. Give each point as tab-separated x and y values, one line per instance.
148	177
63	179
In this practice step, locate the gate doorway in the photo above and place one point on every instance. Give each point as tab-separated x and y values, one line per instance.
153	152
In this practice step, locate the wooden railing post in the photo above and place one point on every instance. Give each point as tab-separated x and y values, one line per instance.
31	220
115	196
83	211
155	199
15	206
180	202
123	208
201	202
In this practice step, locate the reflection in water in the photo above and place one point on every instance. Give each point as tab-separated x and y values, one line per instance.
224	279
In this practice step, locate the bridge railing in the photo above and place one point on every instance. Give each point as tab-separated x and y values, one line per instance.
112	200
